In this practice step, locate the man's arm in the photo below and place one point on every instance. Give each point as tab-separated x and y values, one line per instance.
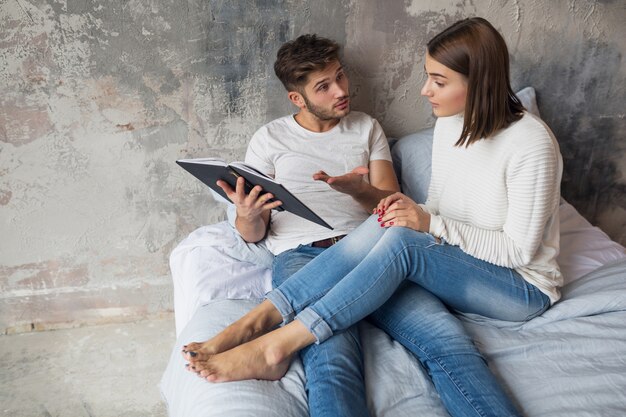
252	229
253	210
382	183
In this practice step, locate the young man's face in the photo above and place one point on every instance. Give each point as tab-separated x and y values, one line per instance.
327	93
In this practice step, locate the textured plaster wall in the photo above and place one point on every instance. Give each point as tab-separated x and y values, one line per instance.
99	98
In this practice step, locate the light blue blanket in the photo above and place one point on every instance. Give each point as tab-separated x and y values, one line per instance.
569	362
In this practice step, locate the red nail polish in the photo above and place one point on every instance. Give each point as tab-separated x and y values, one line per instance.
382	224
390	223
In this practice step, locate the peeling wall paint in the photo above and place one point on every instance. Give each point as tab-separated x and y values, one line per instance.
98	99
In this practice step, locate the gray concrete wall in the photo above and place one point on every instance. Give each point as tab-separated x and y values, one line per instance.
99	98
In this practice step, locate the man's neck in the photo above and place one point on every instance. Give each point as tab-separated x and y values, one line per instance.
313	123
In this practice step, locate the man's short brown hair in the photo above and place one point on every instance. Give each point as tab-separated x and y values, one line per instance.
298	58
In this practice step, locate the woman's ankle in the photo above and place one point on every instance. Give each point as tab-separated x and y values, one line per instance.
259	321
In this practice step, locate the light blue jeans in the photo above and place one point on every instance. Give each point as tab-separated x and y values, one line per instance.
334	369
359	276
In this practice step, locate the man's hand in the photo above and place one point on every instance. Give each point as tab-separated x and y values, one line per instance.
399	210
249	206
351	183
253	209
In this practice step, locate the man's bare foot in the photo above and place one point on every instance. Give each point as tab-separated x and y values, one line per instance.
267	357
257	322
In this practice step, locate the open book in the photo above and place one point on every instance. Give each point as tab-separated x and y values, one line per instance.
209	170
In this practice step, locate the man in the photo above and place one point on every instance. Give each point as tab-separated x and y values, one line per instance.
338	163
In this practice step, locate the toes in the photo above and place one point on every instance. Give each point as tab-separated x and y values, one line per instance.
194	346
195	352
192	369
191	355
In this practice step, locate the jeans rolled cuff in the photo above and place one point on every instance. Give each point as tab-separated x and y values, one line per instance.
281	303
314	323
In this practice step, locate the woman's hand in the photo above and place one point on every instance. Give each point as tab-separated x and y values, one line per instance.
399	210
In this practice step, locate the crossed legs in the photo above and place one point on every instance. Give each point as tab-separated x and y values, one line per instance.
332	293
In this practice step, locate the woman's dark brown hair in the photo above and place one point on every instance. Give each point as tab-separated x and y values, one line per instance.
298	58
474	48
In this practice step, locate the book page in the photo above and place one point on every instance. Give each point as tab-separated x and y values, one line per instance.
252	170
205	161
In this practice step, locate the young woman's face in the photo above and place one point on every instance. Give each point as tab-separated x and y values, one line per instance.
445	89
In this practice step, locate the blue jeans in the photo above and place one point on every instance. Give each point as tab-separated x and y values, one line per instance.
359	276
334	369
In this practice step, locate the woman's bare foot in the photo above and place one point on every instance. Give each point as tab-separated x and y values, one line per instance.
242	362
267	357
258	321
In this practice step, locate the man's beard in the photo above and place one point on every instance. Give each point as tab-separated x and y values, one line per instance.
321	113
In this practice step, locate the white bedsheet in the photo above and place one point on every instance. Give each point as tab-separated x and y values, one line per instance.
569	362
212	263
584	248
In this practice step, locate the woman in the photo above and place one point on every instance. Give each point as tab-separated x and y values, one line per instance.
485	242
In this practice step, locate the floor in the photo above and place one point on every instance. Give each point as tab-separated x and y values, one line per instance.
98	371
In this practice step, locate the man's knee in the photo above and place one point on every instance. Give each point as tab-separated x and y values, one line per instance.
288	263
339	353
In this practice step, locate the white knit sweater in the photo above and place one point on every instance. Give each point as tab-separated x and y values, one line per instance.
498	198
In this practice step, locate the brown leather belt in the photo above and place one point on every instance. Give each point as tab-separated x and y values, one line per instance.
327	243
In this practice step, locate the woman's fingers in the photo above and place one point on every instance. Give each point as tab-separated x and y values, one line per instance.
391	199
392	210
383	204
400	214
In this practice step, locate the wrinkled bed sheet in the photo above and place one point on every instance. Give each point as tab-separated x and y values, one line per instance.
571	361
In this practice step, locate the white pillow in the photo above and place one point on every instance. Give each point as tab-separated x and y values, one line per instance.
529	100
214	262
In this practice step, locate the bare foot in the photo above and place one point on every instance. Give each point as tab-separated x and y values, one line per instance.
254	324
267	357
242	363
247	361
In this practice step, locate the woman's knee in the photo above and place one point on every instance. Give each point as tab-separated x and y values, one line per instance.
402	241
361	240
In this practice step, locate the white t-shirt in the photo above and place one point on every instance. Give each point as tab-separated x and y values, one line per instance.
292	154
498	199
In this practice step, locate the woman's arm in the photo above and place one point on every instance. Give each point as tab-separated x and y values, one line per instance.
533	182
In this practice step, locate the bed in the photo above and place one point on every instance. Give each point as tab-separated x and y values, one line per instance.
570	361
